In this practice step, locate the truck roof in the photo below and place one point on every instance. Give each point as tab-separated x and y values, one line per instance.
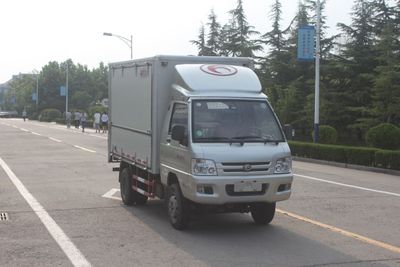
217	77
245	61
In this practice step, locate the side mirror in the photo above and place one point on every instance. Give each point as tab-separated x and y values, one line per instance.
178	133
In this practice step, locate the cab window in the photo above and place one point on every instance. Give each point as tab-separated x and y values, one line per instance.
179	118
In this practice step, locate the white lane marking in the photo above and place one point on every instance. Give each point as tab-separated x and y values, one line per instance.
85	149
348	185
72	252
110	194
23	129
35	133
54	139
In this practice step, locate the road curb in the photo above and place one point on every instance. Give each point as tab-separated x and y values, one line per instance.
349	166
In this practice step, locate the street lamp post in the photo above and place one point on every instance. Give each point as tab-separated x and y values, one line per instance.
127	41
317	73
66	91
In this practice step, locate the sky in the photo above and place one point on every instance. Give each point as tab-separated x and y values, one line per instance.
34	33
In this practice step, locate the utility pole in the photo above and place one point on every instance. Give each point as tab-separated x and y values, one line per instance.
66	92
37	91
317	73
131	48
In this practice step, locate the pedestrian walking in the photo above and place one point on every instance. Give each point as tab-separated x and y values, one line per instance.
97	117
24	114
68	117
77	119
104	122
83	121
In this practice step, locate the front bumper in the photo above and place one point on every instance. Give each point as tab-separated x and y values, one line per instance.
274	188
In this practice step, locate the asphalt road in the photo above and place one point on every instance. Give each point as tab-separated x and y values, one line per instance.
61	206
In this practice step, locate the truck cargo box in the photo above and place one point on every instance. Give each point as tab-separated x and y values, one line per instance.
139	94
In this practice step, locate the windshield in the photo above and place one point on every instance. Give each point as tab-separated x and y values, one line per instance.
234	120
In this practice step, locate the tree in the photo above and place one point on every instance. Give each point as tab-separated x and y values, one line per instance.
275	38
359	61
53	75
19	94
85	87
240	32
201	42
273	65
213	42
386	89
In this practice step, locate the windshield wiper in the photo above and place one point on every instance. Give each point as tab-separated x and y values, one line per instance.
238	139
254	137
212	138
220	138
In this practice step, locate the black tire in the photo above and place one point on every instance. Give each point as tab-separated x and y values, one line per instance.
263	213
125	183
177	206
128	195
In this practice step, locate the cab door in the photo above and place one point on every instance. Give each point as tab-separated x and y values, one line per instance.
175	154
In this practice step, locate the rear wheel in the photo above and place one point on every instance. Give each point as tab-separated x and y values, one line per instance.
128	195
263	213
177	207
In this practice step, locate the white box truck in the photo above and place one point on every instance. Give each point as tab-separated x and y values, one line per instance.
199	133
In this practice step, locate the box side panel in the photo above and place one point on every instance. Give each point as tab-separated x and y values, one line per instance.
130	118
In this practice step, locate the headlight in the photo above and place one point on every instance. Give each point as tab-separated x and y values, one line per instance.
283	165
203	167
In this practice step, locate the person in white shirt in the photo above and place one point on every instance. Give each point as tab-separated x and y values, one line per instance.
96	117
104	122
68	117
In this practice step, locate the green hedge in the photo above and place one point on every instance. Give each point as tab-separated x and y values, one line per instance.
385	136
360	156
387	159
327	134
50	114
347	154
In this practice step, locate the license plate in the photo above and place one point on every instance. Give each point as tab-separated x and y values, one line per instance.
247	186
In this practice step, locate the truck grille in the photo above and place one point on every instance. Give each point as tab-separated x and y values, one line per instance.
245	167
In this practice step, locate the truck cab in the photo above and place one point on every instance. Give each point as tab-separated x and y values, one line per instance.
222	143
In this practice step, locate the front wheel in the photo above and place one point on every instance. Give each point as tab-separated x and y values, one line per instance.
263	213
177	207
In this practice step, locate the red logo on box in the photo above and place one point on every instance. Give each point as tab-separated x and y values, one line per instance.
219	70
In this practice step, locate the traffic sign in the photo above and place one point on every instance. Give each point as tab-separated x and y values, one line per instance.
306	43
63	90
